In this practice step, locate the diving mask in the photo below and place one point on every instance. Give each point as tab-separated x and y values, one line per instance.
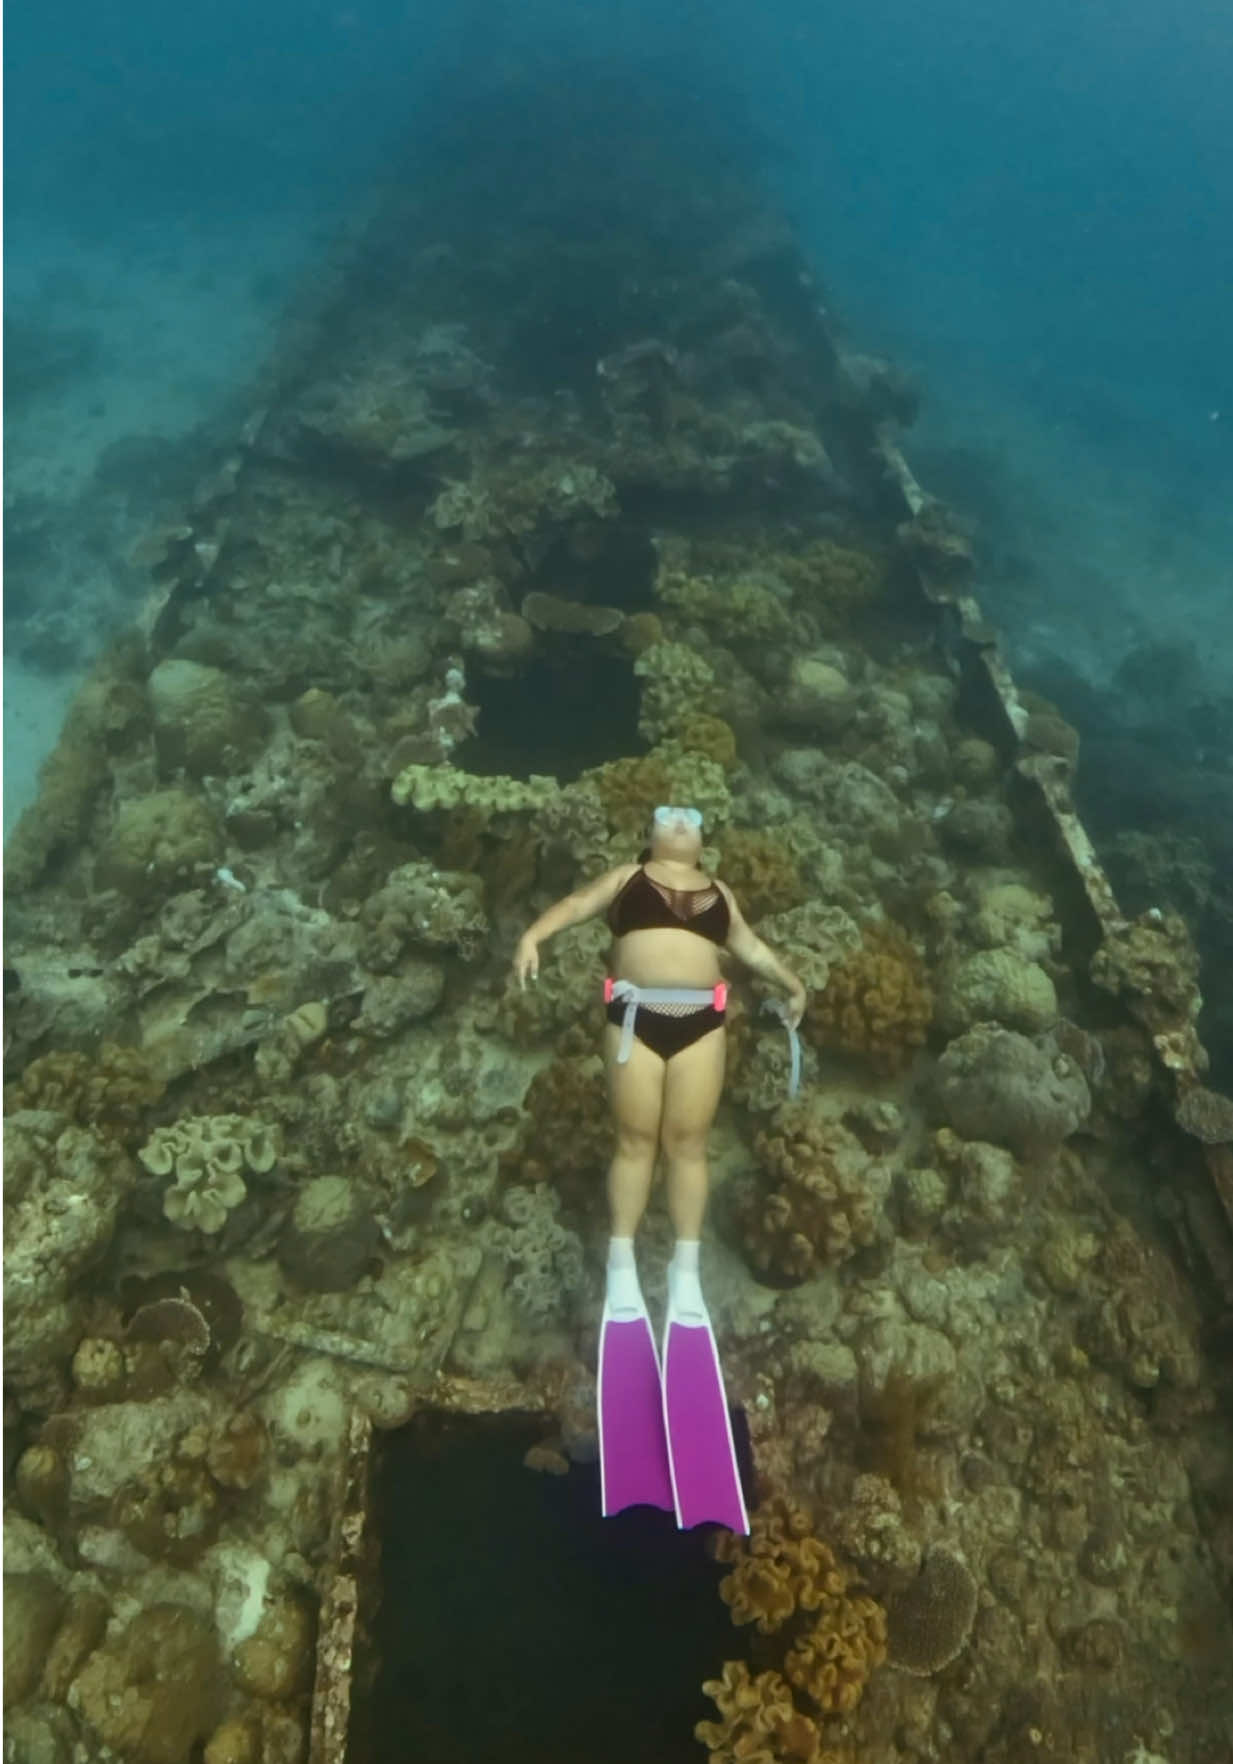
665	815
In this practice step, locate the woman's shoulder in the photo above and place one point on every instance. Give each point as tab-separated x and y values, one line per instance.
619	876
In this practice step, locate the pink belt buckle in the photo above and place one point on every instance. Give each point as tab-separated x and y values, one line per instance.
721	995
609	983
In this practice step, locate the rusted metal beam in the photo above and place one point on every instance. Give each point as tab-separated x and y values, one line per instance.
1169	1021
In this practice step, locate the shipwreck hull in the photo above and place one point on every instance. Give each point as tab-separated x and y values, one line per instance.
534	495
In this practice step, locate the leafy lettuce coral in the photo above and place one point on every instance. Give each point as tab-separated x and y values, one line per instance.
207	1155
787	1582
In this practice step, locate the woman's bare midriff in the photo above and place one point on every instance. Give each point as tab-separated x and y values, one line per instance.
664	956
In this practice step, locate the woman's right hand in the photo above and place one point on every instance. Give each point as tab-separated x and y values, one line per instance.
526	960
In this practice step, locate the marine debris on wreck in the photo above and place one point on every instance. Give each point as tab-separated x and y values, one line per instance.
568	504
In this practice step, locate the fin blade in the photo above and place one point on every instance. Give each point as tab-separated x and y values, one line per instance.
633	1452
706	1478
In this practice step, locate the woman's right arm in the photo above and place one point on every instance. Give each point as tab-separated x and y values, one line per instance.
584	903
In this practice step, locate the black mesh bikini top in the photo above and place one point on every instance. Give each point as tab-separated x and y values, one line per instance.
644	904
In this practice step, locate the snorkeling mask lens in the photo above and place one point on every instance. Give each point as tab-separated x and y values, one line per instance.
665	815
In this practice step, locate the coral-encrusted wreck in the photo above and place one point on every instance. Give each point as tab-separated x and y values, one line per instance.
568	501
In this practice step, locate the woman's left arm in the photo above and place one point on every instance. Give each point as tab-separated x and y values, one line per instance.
749	948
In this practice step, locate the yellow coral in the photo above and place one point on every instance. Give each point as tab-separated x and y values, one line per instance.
781	1571
760	1725
677	770
783	1567
877	1002
833	1662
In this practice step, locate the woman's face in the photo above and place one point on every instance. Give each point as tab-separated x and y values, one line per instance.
676	840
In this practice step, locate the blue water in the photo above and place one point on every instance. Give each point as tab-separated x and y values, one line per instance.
1034	210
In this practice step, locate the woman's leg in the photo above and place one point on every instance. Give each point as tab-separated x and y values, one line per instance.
636	1091
693	1082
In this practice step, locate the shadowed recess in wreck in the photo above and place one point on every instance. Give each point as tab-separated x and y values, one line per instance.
517	1625
561	715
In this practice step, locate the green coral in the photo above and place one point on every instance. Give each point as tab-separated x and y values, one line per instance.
208	1155
678	682
745	610
834	582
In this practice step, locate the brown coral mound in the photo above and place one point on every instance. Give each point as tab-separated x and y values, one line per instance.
761	872
709	736
877	1002
929	1623
567	1131
111	1093
630	788
824	1206
153	1692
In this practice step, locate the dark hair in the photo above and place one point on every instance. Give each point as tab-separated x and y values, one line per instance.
644	854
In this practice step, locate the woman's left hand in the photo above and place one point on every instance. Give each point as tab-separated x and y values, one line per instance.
797	999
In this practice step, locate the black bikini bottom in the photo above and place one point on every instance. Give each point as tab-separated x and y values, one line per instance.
667	1035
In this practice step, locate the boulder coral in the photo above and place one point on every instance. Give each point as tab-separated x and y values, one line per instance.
157	843
995	1084
996	986
201	723
331	1236
419	905
153	1691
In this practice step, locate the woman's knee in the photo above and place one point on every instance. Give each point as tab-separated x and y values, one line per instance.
683	1144
634	1146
